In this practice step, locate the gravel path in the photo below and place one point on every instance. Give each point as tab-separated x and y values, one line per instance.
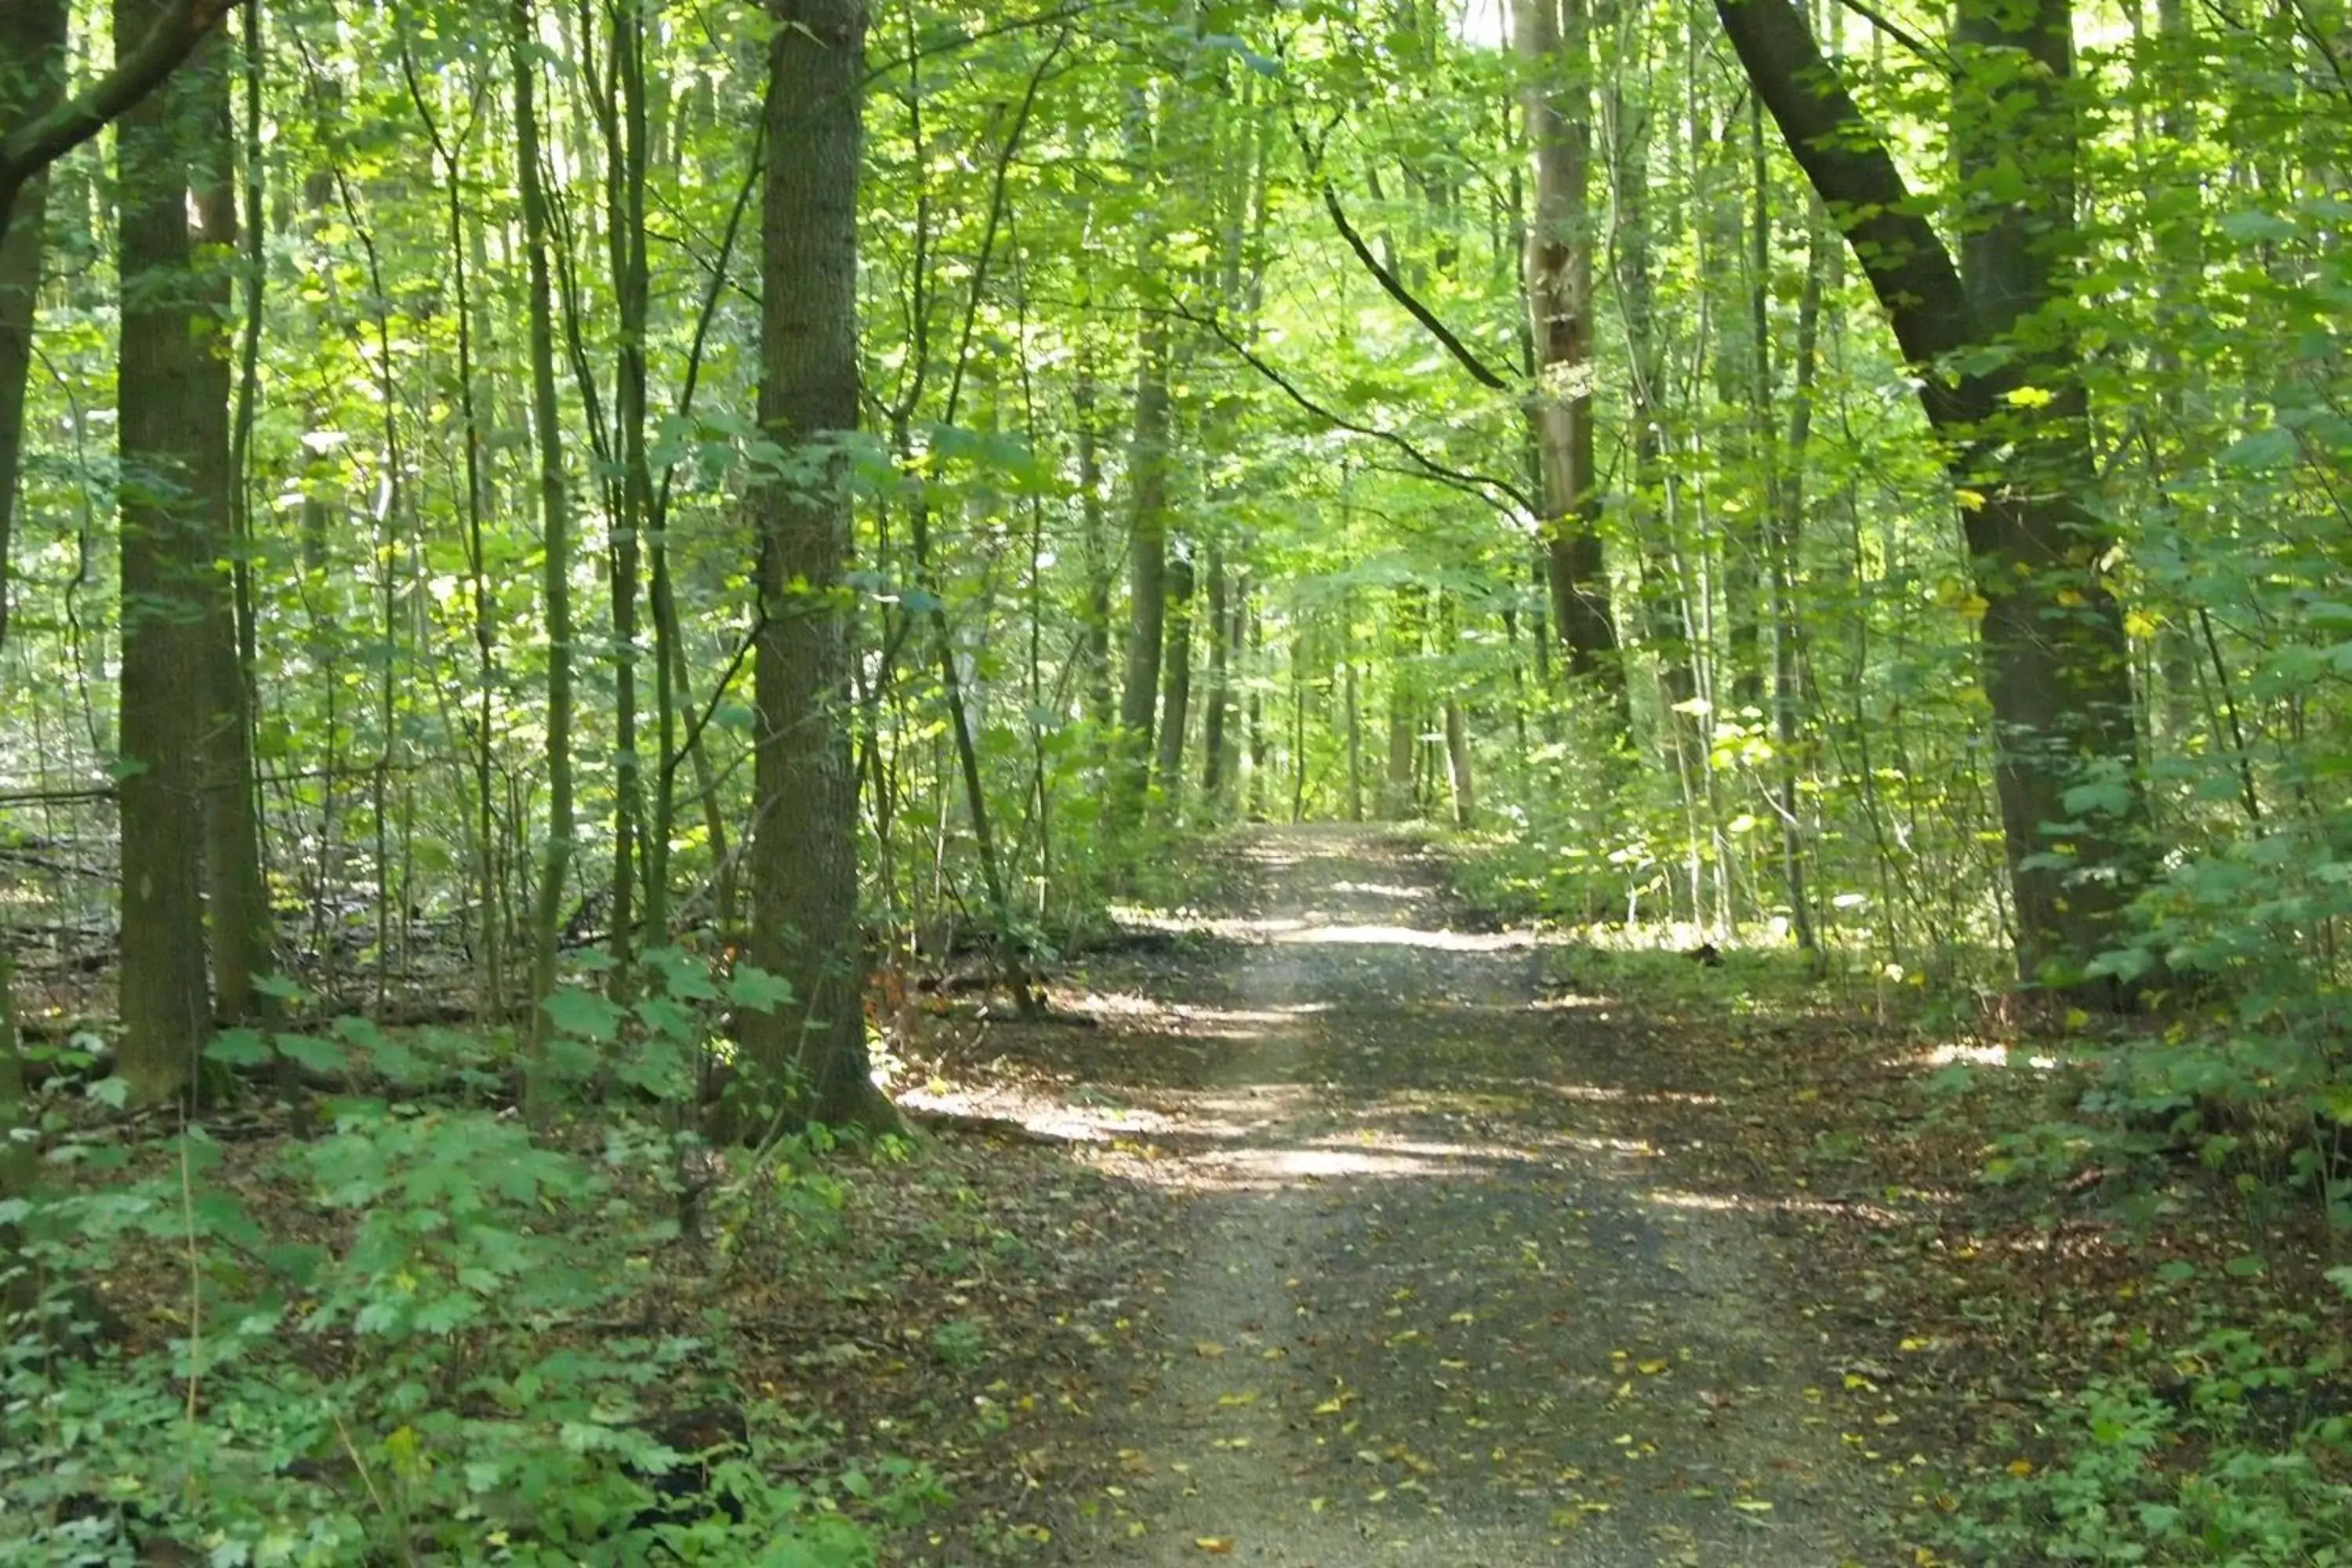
1429	1312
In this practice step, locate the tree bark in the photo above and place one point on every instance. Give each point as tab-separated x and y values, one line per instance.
1176	682
555	524
1554	45
1147	543
2054	657
810	1048
165	558
168	32
237	904
33	37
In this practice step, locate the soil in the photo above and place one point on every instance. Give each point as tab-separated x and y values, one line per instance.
1429	1293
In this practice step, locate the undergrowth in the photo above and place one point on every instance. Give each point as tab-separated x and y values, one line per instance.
426	1335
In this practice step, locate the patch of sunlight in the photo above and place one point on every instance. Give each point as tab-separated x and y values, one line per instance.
1403	936
1124	1005
1256	1167
1256	1105
1045	1117
1461	1102
1742	1203
1422	1148
1974	1055
1566	1002
1225	1023
1383	889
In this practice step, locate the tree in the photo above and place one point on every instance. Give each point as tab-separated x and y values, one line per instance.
2001	384
166	506
1555	46
31	142
803	865
555	517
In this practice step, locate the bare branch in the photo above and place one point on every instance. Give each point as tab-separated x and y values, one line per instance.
1485	487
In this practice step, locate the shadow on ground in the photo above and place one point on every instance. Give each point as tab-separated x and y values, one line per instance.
1456	1277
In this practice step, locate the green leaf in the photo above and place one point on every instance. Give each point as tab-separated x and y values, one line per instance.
2254	227
317	1055
757	989
239	1048
582	1014
2266	448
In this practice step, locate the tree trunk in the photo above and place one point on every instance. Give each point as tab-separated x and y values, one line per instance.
1213	770
2054	654
166	559
810	1049
555	521
625	160
237	903
1397	801
1100	567
1147	542
32	36
1457	723
1554	46
1176	693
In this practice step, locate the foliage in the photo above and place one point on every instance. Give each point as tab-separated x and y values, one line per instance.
2239	1460
428	1366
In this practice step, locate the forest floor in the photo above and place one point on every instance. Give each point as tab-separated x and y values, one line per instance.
1457	1263
1333	1223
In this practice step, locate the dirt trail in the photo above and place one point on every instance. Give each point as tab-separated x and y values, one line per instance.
1432	1310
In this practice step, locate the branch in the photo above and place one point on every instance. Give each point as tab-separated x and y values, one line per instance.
946	43
29	149
1846	160
1479	485
1405	297
1388	280
1928	55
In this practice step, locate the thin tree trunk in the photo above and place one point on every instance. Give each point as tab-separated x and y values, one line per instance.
625	156
1786	539
1457	723
1096	552
33	37
555	524
1176	693
1221	697
238	912
1147	610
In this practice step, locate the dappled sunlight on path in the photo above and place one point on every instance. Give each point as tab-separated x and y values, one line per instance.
1440	1302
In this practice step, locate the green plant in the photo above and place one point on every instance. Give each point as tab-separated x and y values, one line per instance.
2241	1460
421	1376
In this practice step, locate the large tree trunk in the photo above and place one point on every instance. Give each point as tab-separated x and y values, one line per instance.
1554	46
2054	653
803	853
165	558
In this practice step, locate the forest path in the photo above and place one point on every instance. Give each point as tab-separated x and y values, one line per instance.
1434	1305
